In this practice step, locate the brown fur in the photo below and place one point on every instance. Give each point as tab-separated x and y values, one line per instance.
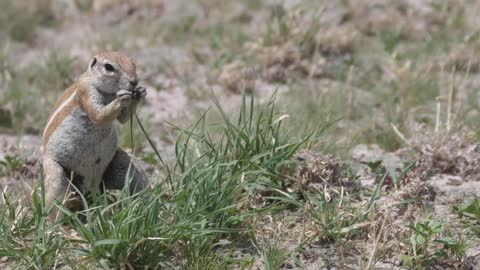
125	62
62	114
105	115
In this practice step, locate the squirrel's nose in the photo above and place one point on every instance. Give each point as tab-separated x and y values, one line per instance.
134	82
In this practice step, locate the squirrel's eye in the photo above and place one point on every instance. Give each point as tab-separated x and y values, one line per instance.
109	67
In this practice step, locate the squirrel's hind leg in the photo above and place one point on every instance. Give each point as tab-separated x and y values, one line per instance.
58	186
123	169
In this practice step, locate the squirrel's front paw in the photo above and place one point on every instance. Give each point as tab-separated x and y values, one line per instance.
124	97
139	93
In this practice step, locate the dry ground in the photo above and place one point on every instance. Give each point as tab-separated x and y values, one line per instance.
389	90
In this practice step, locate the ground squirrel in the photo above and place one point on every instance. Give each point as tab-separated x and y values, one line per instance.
79	139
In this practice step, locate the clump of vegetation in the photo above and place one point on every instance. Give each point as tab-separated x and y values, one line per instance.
203	198
27	238
10	164
273	257
470	213
296	42
336	218
429	243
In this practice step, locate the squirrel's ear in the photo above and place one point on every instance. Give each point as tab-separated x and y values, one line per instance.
92	63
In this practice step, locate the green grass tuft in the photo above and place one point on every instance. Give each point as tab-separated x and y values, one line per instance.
199	202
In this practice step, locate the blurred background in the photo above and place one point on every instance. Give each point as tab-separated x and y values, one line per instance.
370	70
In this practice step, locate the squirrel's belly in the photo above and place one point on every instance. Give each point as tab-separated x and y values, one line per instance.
81	147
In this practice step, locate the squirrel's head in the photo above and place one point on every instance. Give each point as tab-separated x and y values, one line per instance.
110	72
